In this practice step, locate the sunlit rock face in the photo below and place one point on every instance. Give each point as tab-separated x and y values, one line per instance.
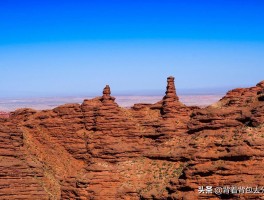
167	150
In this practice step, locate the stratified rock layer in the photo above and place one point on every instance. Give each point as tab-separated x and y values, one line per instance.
4	114
98	150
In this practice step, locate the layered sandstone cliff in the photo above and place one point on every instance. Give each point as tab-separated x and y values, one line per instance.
98	150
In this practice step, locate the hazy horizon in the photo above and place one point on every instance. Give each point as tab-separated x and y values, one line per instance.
11	104
195	91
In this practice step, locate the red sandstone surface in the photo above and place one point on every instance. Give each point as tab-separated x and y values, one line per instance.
166	150
4	114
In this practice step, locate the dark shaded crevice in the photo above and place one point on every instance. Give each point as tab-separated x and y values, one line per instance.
232	158
186	189
205	120
261	98
236	158
204	174
247	142
192	131
261	95
227	196
94	129
183	175
154	137
154	158
247	121
169	190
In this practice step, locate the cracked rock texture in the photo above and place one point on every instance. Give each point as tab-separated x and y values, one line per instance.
166	150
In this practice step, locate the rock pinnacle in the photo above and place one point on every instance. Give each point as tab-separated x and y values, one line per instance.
171	91
107	93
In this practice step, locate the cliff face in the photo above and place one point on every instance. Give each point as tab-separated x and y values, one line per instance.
98	150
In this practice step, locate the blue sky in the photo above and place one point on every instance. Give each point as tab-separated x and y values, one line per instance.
50	48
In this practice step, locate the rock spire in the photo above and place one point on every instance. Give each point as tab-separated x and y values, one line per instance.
171	91
107	94
170	100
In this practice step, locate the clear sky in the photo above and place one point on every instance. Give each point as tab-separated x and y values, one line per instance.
75	47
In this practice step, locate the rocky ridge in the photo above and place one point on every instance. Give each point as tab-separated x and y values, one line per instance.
99	150
4	114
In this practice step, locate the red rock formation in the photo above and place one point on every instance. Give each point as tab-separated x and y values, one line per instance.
4	114
261	95
241	97
106	95
98	150
170	100
175	114
227	147
21	176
